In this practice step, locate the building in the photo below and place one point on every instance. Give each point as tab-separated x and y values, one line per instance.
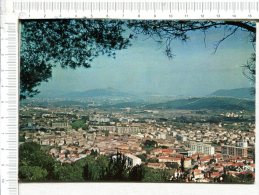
132	160
234	151
200	147
59	124
130	129
242	144
106	128
239	150
173	133
187	163
161	135
156	165
99	119
164	159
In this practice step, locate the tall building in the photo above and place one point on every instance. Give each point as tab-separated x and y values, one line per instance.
239	150
200	147
242	143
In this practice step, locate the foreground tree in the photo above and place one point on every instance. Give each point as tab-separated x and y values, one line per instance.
65	43
68	172
155	175
137	173
32	173
117	168
76	43
34	163
95	169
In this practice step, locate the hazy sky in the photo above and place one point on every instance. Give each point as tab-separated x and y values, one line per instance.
144	68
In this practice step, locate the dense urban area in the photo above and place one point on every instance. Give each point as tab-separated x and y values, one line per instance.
93	143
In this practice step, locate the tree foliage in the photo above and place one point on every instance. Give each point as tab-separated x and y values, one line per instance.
68	172
168	31
34	163
137	173
143	157
32	173
155	175
94	153
79	124
246	178
150	144
172	165
66	43
117	168
96	169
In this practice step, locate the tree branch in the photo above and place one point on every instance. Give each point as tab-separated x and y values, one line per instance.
223	39
242	25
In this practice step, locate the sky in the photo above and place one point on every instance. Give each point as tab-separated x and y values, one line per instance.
144	68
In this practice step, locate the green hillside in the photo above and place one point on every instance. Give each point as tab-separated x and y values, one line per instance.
209	103
235	93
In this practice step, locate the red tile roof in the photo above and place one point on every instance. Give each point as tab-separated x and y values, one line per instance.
215	174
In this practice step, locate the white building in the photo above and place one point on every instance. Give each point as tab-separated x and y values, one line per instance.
200	147
173	133
59	124
132	160
161	135
242	144
100	119
187	163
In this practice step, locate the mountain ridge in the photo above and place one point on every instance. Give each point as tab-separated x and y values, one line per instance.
245	93
210	103
237	93
102	92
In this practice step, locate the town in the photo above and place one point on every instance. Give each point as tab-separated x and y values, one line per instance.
194	146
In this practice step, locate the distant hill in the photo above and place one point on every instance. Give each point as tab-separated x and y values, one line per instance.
109	92
237	93
50	94
57	103
204	103
210	103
